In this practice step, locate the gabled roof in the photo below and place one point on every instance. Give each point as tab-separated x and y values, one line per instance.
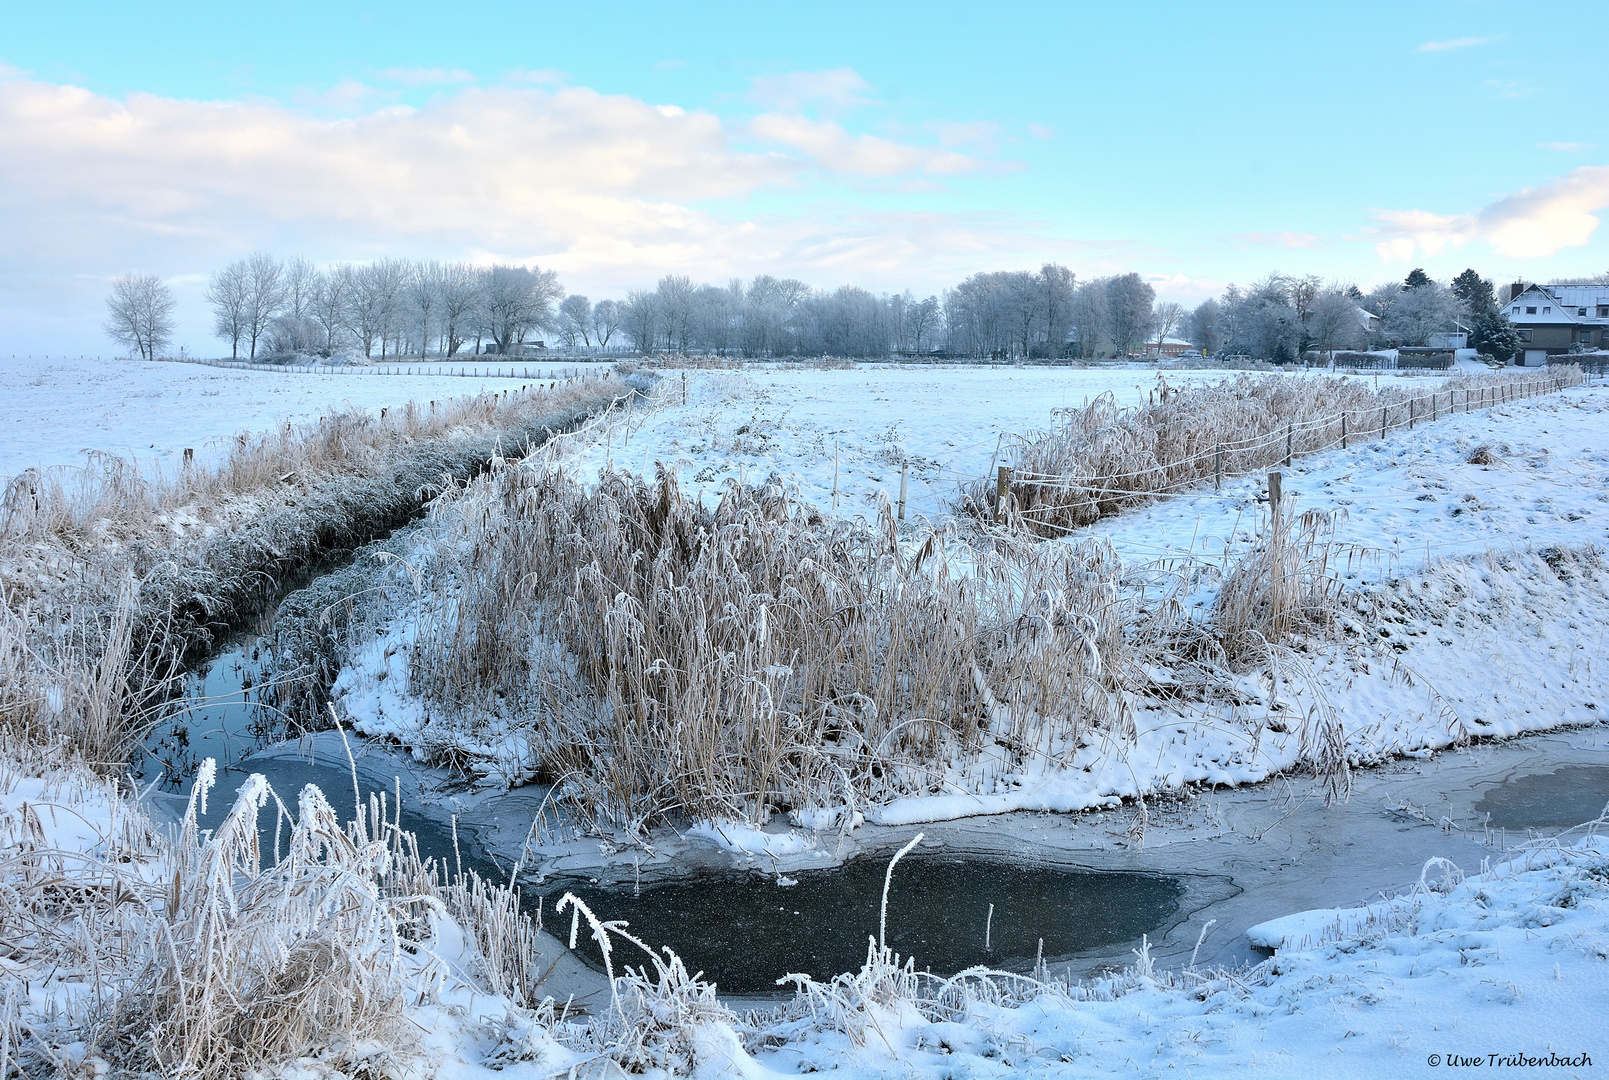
1558	304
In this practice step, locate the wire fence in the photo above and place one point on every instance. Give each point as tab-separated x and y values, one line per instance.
1036	500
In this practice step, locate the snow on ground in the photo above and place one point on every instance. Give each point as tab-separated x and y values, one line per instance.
1510	963
55	411
745	425
1507	967
1472	645
1414	497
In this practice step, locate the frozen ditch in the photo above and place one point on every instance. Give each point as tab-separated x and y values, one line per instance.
747	930
1564	797
1089	884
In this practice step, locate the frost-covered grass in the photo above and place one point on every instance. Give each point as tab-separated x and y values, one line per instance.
671	660
1101	459
59	410
338	954
110	574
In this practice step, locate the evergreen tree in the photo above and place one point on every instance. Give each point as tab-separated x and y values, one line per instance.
1492	334
1476	292
1416	278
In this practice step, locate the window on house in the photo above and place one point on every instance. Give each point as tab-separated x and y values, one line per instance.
1547	310
1603	311
1581	311
1525	335
1530	311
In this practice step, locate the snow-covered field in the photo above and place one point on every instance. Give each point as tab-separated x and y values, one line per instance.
1507	968
1482	628
1491	629
53	412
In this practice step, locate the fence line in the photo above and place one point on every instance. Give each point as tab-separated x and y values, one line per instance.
1391	417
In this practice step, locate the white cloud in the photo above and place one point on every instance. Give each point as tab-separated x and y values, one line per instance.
838	90
827	145
1564	147
608	189
1456	43
1041	131
416	76
982	134
1533	223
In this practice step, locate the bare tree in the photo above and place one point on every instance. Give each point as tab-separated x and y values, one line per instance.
422	286
1204	331
140	313
331	304
1128	300
300	283
675	309
1421	311
924	320
461	300
227	292
1334	321
640	319
265	294
296	329
575	320
1169	317
519	300
1057	285
605	320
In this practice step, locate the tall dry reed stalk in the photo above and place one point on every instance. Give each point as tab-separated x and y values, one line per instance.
110	575
1101	459
668	658
212	954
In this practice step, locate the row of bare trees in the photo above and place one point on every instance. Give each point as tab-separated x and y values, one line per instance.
393	307
1281	317
263	306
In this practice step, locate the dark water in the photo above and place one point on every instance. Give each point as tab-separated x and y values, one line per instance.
1572	795
745	931
741	929
223	711
287	776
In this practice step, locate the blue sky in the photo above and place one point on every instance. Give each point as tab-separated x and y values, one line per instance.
892	145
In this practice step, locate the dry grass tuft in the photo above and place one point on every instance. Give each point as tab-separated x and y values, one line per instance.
110	575
667	658
204	955
1101	459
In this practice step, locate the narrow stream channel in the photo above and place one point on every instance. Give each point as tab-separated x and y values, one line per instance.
1057	885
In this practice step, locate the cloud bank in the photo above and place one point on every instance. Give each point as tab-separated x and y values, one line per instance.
608	189
1533	223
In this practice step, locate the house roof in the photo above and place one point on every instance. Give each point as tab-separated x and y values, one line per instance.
1559	305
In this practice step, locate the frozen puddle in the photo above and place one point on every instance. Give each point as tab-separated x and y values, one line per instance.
1557	800
745	930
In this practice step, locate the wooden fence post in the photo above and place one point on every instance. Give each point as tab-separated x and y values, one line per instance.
1343	431
1289	430
1383	420
1410	413
835	478
904	468
1002	492
1218	468
1275	482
